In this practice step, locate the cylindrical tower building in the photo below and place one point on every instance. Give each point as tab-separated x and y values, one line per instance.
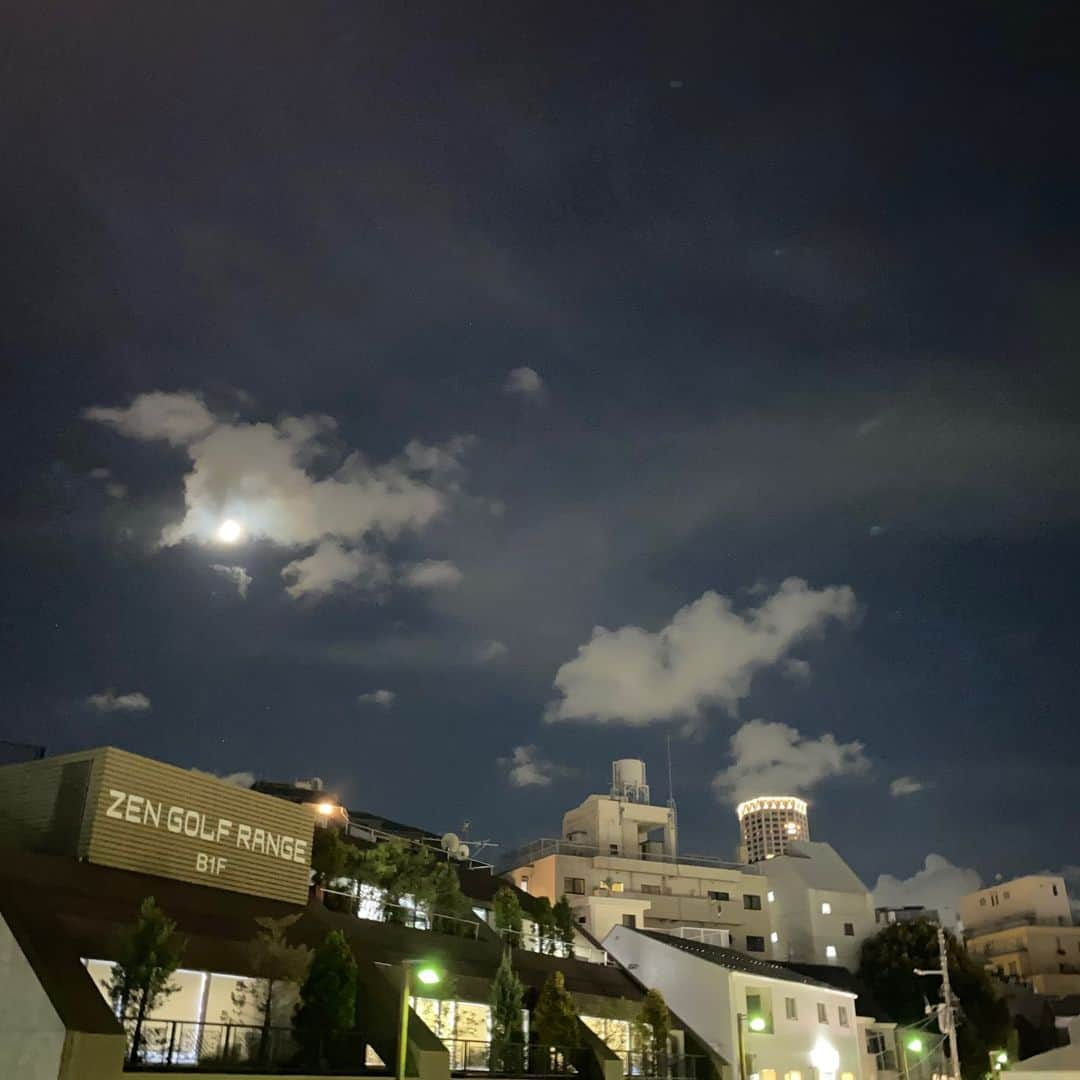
769	823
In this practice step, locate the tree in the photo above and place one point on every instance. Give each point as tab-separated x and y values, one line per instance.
450	901
555	1018
148	955
327	1008
402	870
653	1028
887	966
507	1030
546	933
564	925
330	855
272	961
508	916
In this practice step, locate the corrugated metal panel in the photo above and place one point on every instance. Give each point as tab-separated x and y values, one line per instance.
157	818
42	803
119	809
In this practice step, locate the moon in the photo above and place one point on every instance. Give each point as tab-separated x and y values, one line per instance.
230	531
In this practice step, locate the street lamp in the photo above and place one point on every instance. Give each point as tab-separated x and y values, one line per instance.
998	1060
915	1045
429	976
756	1023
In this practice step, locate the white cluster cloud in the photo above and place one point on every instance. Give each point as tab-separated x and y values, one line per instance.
525	382
111	701
331	565
382	699
707	655
775	759
938	885
487	651
796	670
527	767
281	482
906	785
433	574
238	575
242	779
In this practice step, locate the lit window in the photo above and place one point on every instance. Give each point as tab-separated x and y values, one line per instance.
617	886
524	884
830	952
791	828
774	937
770	896
847	1076
793	1075
826	907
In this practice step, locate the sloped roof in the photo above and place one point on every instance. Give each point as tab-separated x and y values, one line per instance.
842	979
734	960
818	865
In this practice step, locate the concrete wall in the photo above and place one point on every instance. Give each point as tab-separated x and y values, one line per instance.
1043	897
31	1033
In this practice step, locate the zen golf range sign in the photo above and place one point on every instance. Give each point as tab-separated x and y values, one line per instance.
133	813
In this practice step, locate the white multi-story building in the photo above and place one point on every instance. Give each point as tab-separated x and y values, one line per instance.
618	863
1023	930
769	823
767	1021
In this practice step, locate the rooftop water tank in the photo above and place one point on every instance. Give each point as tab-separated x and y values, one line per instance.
628	780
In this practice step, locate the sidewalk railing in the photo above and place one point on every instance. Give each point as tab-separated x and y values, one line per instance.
417	918
226	1047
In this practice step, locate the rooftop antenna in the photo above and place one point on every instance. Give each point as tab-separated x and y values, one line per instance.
671	802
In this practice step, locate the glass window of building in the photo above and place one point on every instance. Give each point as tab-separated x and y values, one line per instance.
791	1010
751	902
574	885
822	1013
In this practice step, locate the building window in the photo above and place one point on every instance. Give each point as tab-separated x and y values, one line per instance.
770	896
617	886
1006	894
574	885
767	1074
830	952
629	920
1054	887
847	1076
982	901
826	907
652	890
751	902
793	1075
791	1010
715	895
842	1015
849	929
774	937
822	1013
524	884
755	943
613	849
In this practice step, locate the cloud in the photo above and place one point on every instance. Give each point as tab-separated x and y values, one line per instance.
525	382
116	491
489	650
433	574
111	701
796	670
775	759
938	885
176	418
289	483
383	699
236	574
707	655
331	565
906	785
527	767
240	779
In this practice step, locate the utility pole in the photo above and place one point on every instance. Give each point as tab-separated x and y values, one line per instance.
947	1009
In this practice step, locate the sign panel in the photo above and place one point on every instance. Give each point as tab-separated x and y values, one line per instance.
155	818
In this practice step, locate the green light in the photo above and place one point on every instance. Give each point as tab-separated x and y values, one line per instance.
757	1023
915	1045
1002	1058
428	976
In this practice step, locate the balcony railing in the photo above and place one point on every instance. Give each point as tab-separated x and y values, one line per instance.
416	918
469	1056
540	849
240	1048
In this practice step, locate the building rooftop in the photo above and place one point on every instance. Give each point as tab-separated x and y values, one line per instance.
818	865
540	849
734	960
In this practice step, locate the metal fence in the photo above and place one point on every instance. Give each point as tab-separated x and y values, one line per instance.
240	1048
416	918
468	1056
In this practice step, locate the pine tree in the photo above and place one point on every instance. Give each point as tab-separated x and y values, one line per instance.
555	1018
148	956
564	925
272	960
544	917
327	1008
653	1028
508	915
403	871
450	901
507	1030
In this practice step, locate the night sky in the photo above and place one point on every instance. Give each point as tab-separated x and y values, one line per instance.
746	332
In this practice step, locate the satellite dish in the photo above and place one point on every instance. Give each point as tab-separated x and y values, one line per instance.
450	842
462	852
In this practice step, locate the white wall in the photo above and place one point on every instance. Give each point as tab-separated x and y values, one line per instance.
709	998
31	1032
1043	896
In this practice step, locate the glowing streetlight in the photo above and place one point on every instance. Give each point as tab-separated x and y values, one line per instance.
326	808
757	1023
915	1045
429	976
230	531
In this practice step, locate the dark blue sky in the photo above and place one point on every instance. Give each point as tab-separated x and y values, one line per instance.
803	293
